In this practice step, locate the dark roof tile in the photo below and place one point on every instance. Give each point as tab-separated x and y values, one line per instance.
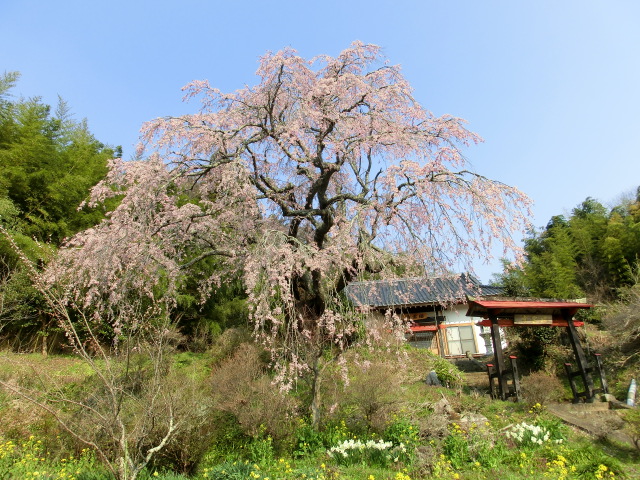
417	291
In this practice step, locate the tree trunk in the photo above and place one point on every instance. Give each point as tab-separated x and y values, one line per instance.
45	335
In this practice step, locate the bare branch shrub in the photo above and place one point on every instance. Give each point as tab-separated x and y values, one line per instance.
241	387
193	406
126	411
369	398
542	388
228	342
623	320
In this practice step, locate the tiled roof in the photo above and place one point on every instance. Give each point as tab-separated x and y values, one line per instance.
417	291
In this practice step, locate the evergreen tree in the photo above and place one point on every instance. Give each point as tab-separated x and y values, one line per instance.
48	163
551	266
594	252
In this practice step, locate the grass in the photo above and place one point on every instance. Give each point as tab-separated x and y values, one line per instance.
439	443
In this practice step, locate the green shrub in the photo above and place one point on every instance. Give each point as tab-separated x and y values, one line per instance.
261	450
230	471
447	373
335	433
307	439
228	442
456	449
403	433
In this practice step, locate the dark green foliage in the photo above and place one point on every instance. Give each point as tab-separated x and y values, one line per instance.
227	442
224	308
533	345
592	253
307	439
231	471
551	269
48	163
512	280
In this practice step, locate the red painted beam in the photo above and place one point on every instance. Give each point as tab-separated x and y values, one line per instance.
508	322
423	328
529	304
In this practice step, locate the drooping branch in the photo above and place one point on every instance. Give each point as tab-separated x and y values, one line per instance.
321	172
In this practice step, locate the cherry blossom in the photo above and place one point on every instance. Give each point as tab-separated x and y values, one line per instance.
323	171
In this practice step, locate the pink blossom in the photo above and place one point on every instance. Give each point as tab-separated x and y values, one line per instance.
321	172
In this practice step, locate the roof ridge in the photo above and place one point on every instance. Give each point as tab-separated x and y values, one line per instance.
400	279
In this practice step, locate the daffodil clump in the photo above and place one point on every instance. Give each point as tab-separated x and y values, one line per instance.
526	434
443	468
371	452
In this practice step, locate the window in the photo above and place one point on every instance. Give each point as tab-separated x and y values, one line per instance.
460	340
422	339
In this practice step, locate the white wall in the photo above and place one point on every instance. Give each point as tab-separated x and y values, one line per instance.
455	315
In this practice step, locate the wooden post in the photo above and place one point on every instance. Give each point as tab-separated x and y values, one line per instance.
572	382
581	359
492	385
516	377
499	357
603	380
439	333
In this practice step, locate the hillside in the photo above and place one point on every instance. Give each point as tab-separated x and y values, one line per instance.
386	423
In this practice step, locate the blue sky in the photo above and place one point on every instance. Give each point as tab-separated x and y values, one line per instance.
552	86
